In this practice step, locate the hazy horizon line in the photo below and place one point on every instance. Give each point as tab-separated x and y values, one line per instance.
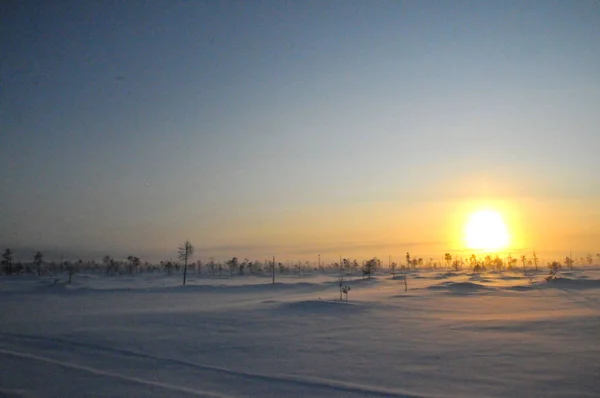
26	253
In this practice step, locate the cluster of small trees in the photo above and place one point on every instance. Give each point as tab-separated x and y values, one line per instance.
37	266
9	267
133	265
523	263
490	262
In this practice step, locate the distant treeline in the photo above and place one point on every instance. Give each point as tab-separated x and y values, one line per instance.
238	267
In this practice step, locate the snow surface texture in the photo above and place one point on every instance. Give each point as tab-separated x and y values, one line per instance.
450	335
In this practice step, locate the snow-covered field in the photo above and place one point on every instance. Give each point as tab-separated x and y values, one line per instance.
450	335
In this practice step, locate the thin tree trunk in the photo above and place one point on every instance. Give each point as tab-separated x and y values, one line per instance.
185	268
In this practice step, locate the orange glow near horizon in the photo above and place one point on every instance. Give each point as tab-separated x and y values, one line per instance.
425	228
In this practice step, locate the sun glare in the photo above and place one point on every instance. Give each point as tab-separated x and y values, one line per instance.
486	230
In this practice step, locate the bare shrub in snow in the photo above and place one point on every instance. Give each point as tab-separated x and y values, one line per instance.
345	290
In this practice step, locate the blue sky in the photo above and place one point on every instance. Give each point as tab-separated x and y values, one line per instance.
127	127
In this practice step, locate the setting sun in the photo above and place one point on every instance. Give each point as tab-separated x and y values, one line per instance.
486	230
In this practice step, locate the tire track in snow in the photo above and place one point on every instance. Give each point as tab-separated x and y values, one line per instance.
105	373
300	381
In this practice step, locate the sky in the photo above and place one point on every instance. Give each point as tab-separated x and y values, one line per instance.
297	128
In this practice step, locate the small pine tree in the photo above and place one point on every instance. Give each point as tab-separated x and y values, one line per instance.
569	262
233	265
370	267
184	252
554	267
37	260
109	264
70	269
393	266
448	259
456	265
7	261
